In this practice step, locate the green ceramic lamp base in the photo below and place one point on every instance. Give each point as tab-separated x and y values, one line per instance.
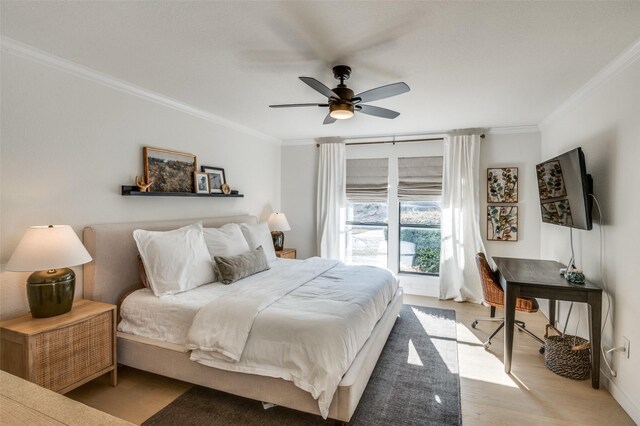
50	293
278	240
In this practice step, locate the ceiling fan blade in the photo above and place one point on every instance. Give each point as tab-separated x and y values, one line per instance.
319	87
377	111
329	119
382	92
297	105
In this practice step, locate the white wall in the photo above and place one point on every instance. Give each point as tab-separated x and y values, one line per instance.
607	127
299	188
68	144
522	150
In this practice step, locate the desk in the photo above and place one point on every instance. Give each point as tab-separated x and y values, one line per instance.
541	278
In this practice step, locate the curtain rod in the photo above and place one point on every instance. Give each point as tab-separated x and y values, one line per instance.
395	142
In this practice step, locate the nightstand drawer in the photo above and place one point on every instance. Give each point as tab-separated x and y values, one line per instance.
64	356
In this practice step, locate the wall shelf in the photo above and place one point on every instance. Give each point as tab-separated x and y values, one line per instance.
132	191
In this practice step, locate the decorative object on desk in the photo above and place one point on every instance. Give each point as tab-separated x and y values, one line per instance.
502	223
142	184
502	185
567	355
201	182
216	178
226	189
49	250
277	224
169	171
574	276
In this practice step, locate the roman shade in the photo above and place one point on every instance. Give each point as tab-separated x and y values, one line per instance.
367	179
419	178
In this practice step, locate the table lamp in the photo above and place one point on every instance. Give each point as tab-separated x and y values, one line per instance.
49	250
278	223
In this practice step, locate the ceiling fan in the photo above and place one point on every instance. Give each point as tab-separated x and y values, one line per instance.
341	101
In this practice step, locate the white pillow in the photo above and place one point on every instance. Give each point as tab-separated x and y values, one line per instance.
259	235
225	241
175	261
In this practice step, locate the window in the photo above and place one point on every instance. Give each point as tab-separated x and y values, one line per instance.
366	229
420	237
419	194
366	234
393	210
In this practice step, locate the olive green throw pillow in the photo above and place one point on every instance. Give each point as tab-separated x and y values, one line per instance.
234	268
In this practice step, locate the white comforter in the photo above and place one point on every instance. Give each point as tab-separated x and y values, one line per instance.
305	324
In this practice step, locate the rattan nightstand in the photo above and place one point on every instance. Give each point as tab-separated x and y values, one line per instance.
286	253
61	353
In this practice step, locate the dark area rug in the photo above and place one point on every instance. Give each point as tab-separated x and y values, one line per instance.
415	382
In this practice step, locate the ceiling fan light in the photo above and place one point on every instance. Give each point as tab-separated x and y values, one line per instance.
341	111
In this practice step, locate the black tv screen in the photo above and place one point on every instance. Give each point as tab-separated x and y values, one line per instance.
564	187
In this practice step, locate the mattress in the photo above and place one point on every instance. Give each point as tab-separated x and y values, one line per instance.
168	318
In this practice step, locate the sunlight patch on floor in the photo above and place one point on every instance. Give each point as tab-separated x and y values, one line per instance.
413	358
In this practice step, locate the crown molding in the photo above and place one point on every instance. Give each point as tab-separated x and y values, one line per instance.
509	130
31	53
619	63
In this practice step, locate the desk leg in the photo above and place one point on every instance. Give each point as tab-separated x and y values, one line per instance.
595	319
552	312
510	295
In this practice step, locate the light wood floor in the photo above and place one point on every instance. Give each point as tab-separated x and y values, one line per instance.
531	395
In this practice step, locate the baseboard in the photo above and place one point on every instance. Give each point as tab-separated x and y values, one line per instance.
625	402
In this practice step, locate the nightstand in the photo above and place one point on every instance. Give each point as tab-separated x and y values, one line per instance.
286	253
63	352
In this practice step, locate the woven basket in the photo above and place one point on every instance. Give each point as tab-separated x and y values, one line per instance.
566	355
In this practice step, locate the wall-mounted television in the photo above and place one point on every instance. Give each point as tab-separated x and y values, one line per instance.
564	187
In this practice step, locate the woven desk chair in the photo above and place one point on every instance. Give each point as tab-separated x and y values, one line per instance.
494	296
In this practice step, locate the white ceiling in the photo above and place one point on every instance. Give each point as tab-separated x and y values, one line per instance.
469	64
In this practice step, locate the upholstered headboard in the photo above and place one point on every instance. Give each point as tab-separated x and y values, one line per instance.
114	269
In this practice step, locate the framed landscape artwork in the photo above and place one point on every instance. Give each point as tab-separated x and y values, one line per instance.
502	185
169	171
502	223
216	178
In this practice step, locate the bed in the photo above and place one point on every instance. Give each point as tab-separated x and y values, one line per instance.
114	272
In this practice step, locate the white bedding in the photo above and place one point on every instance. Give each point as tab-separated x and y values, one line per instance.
305	330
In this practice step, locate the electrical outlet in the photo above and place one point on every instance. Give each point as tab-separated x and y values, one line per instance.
627	345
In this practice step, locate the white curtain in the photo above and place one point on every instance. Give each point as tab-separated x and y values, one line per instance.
331	198
461	240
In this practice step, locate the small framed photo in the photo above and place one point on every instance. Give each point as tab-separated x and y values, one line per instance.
502	185
169	171
502	223
216	178
201	182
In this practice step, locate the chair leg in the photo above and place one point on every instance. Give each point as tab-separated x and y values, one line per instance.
493	312
488	342
530	333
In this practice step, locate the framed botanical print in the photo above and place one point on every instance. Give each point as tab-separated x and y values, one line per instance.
502	223
502	185
169	171
216	178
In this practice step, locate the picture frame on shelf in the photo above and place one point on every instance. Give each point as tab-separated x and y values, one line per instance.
201	182
216	178
169	171
502	223
502	185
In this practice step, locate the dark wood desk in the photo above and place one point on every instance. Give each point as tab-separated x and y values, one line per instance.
542	279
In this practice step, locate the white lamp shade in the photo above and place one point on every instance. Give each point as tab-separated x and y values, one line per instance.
48	247
278	222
